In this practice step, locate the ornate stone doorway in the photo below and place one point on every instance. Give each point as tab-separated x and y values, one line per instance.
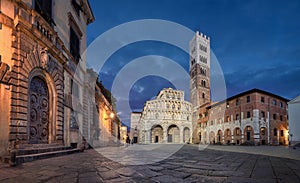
173	134
38	111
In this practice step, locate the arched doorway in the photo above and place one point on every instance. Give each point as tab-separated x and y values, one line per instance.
219	136
38	111
212	139
249	134
186	135
263	136
156	134
135	138
237	133
227	136
173	134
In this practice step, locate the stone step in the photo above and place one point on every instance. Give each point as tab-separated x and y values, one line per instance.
34	150
26	146
38	156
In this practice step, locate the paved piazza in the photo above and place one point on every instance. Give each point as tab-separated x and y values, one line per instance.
190	164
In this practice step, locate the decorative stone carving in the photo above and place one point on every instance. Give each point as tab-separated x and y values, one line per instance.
44	56
4	72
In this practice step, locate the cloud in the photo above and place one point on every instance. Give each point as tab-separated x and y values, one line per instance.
280	79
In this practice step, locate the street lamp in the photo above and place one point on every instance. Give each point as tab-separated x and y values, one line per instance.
112	115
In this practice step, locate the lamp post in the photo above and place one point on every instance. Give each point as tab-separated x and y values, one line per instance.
109	119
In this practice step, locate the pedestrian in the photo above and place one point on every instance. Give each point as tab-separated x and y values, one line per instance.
127	141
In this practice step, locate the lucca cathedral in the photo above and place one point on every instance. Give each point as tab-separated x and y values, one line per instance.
253	117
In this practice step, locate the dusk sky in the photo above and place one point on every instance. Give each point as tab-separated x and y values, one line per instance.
257	43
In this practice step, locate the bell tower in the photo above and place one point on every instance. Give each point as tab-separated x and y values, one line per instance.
199	70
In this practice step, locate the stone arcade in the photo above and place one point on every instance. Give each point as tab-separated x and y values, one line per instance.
165	119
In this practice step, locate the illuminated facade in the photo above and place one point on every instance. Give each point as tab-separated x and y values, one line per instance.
252	117
165	119
42	71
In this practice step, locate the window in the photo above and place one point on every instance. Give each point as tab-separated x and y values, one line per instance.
281	118
228	132
228	118
237	131
203	48
76	6
275	132
237	102
274	102
262	99
248	114
44	8
193	61
211	122
281	105
262	114
281	133
74	45
74	120
74	89
227	105
203	83
203	95
202	71
274	116
173	106
236	117
248	99
263	131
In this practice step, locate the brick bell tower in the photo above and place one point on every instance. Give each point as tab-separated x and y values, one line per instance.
199	75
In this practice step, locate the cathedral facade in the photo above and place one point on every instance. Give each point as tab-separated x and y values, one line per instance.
165	119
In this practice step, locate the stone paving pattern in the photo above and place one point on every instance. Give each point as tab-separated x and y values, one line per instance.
187	165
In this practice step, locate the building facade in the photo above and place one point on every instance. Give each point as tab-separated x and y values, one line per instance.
165	119
254	116
102	126
41	50
294	125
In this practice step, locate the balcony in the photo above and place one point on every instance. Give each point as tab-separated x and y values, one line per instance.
32	23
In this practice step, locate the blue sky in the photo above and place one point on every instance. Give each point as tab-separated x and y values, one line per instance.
257	43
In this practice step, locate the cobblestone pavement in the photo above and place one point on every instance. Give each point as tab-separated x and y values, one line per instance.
189	164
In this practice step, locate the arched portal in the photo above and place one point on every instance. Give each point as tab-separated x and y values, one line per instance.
186	135
212	139
38	125
263	136
227	136
173	134
156	134
219	136
237	133
249	134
